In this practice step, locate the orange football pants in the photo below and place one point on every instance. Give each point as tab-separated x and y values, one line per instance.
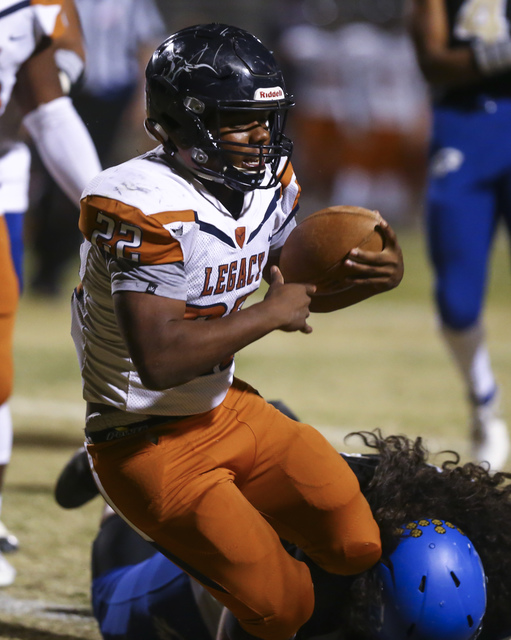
215	491
9	294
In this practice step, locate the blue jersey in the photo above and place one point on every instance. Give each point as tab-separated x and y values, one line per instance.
152	600
155	600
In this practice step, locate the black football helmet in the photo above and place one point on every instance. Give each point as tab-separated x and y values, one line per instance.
203	71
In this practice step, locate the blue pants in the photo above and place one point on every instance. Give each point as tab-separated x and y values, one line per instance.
15	227
469	192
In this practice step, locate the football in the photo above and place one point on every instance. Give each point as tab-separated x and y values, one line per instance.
316	249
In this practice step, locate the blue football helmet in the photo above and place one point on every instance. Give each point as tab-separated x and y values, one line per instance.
433	585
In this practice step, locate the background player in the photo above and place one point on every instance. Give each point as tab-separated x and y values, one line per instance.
119	36
134	588
29	75
464	50
175	241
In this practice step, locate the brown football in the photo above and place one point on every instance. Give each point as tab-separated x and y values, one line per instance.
316	249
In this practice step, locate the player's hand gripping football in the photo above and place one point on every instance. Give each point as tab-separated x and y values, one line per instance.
289	302
380	271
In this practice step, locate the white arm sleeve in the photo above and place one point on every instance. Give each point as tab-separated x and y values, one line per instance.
64	145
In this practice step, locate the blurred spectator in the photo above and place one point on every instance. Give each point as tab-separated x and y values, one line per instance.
361	119
120	36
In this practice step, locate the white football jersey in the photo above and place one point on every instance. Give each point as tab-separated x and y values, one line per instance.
22	27
148	229
14	163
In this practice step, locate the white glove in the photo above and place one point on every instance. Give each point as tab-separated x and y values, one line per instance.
492	57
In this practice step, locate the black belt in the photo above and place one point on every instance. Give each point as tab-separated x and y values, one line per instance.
116	433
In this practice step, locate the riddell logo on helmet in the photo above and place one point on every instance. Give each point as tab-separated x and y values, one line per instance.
272	93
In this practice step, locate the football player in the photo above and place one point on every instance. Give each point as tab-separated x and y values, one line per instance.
175	242
119	36
29	82
464	50
440	577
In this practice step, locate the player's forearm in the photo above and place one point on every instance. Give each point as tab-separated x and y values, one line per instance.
440	64
449	67
187	349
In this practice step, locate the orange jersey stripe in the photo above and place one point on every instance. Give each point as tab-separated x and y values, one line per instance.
124	231
166	217
61	23
285	181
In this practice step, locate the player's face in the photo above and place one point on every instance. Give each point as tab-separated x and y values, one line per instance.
244	128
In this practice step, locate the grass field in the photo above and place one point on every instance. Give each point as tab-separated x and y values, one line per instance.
379	364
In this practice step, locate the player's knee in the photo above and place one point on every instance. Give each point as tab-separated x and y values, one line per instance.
358	557
285	618
459	319
354	556
280	625
358	546
458	312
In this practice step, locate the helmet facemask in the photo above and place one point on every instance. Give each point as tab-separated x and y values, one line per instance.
217	159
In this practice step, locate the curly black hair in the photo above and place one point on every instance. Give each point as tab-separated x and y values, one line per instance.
406	487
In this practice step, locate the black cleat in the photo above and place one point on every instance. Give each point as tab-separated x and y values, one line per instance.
8	541
75	484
